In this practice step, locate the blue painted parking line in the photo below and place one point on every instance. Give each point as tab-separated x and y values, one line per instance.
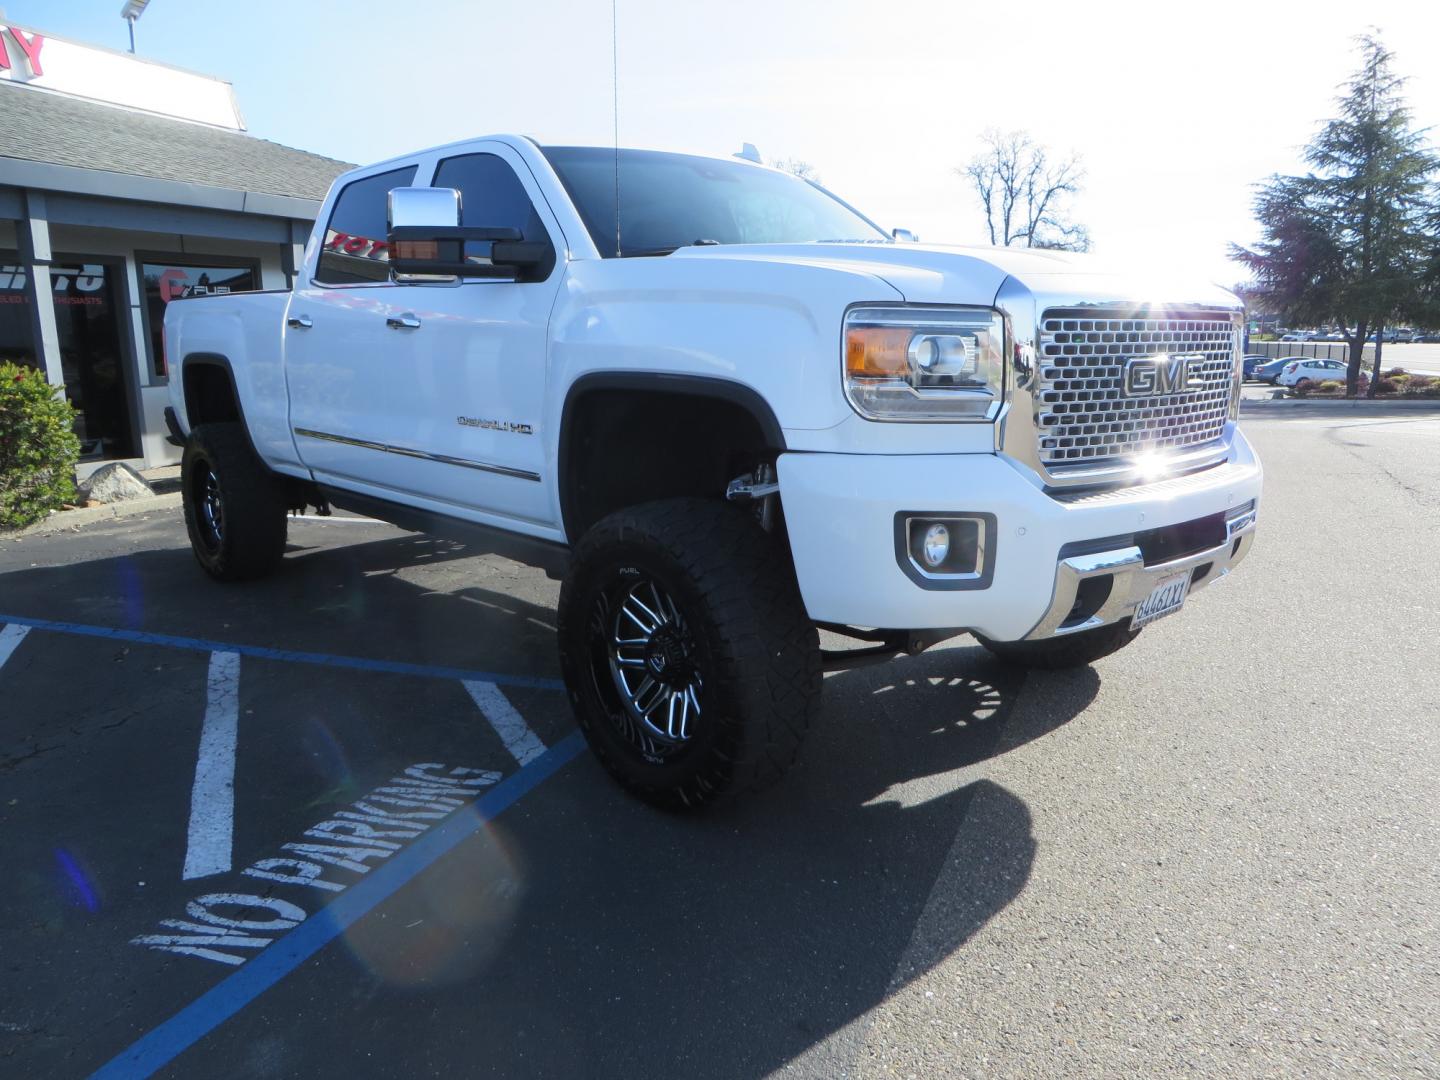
393	667
10	638
158	1047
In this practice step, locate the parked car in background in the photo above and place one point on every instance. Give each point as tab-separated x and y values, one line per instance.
1310	370
1252	362
1298	335
1269	372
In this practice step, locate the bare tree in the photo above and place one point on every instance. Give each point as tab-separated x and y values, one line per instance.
796	167
1025	194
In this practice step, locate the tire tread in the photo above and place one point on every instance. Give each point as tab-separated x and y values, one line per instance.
766	645
255	513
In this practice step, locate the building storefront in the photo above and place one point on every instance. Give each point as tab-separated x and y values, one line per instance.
124	185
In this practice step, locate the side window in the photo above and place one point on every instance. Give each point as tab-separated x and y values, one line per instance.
354	250
491	196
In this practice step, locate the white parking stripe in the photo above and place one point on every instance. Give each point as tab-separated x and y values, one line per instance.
10	638
212	800
524	745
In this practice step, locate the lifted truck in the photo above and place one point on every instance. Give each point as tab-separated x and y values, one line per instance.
730	414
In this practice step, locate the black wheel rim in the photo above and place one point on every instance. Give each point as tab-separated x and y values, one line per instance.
646	665
209	508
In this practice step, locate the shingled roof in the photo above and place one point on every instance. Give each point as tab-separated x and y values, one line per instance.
63	130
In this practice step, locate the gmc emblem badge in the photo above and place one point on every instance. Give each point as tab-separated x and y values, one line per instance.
1167	373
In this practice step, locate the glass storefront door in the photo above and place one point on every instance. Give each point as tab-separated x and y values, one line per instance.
17	325
87	319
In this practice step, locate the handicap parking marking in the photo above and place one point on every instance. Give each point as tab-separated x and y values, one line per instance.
303	938
329	857
524	745
292	802
393	667
11	634
210	837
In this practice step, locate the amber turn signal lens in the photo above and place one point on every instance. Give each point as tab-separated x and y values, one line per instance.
877	352
427	250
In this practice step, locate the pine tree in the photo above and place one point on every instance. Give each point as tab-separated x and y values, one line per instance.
1351	241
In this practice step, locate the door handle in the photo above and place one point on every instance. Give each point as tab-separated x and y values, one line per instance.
407	321
299	322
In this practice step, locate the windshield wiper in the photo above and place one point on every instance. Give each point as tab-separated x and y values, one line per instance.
669	250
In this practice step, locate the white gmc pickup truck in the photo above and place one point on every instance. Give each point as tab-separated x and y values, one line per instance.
731	411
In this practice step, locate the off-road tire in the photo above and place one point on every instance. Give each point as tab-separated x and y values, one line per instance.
1069	651
757	652
250	539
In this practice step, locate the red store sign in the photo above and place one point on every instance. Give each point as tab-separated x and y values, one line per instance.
12	37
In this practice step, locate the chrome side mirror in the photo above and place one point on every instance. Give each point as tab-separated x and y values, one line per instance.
427	242
905	235
417	218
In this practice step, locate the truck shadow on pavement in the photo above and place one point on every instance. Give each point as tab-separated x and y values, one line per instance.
732	944
583	934
344	600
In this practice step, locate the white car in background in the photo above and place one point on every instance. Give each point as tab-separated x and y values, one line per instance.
1311	370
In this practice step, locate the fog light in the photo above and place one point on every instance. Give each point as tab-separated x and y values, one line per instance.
945	548
936	545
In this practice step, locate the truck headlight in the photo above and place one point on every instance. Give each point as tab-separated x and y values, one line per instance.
924	363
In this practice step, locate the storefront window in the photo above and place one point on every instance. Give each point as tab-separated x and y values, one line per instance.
172	281
17	325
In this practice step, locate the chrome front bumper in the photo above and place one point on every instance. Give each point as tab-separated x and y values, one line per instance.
1132	581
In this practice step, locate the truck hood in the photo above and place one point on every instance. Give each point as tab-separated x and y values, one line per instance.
955	274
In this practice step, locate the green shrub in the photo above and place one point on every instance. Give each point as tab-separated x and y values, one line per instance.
38	447
1318	389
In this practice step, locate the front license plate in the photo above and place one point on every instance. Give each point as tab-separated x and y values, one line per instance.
1167	598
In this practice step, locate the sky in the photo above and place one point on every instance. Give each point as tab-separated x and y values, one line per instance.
1176	110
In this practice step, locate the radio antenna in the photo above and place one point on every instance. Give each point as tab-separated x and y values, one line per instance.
615	109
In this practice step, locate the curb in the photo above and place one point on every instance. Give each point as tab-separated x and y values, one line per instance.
1379	404
66	520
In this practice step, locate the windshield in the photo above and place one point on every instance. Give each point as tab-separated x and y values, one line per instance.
669	201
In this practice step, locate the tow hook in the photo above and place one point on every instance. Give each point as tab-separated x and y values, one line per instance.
758	487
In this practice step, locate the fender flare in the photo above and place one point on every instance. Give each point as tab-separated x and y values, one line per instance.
215	360
704	386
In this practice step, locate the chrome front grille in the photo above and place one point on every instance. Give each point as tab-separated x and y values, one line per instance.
1083	415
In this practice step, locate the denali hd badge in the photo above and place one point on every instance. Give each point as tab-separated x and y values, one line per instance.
1167	373
495	425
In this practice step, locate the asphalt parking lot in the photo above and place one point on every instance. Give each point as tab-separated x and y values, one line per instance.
338	823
